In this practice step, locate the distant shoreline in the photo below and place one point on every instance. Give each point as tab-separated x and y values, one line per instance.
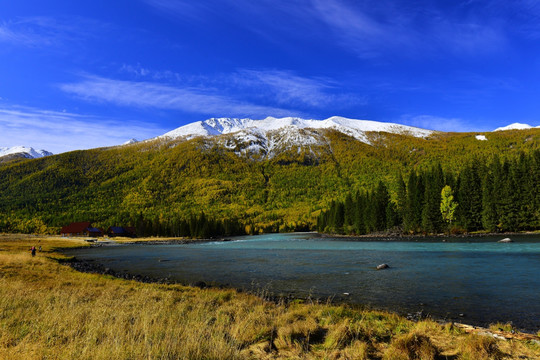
381	236
424	236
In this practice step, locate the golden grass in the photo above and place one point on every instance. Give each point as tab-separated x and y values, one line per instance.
49	311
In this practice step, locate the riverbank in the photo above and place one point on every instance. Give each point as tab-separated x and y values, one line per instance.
389	236
382	236
447	281
49	310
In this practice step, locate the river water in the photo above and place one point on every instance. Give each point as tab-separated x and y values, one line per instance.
471	280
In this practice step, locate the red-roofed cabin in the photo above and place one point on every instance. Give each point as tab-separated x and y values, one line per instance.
80	229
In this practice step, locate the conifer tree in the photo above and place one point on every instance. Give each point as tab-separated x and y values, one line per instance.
508	201
415	202
401	202
431	216
348	213
339	217
381	199
521	174
491	196
409	219
469	197
535	185
360	220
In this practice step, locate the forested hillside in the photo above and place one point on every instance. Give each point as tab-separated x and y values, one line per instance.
162	186
495	196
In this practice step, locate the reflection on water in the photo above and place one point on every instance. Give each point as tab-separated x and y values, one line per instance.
484	280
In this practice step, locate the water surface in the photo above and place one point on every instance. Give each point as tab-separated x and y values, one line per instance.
472	280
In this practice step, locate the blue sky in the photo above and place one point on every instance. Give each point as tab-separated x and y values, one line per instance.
83	74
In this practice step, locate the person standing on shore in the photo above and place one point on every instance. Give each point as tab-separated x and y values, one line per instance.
33	251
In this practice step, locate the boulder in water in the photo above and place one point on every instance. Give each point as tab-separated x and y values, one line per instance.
505	240
382	266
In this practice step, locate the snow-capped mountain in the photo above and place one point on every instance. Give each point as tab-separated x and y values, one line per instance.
131	141
516	126
23	151
268	135
355	128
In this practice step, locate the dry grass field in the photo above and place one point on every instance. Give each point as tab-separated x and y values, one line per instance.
50	311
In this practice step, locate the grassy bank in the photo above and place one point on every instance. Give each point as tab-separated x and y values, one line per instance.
48	310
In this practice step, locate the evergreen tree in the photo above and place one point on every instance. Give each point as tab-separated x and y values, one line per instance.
401	203
409	219
360	220
415	202
535	186
339	217
522	178
431	215
492	186
508	200
349	211
392	216
380	200
489	208
469	197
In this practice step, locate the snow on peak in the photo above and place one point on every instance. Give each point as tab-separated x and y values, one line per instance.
271	135
514	126
352	127
28	152
131	141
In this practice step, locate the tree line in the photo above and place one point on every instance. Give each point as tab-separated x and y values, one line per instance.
497	196
196	226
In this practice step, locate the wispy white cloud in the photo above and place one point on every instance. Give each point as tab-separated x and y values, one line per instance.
282	87
16	33
58	131
41	32
272	20
372	29
288	88
144	94
357	30
140	72
285	86
368	28
440	123
193	10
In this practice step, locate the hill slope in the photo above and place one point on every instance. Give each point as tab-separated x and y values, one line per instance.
174	178
9	154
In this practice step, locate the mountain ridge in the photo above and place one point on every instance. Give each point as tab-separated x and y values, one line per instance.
516	126
27	152
354	127
270	136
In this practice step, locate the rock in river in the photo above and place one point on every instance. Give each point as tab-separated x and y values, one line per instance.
505	240
382	266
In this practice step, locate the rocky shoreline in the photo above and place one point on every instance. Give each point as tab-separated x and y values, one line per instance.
382	236
401	236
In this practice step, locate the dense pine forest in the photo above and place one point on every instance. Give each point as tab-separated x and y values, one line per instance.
497	196
199	188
